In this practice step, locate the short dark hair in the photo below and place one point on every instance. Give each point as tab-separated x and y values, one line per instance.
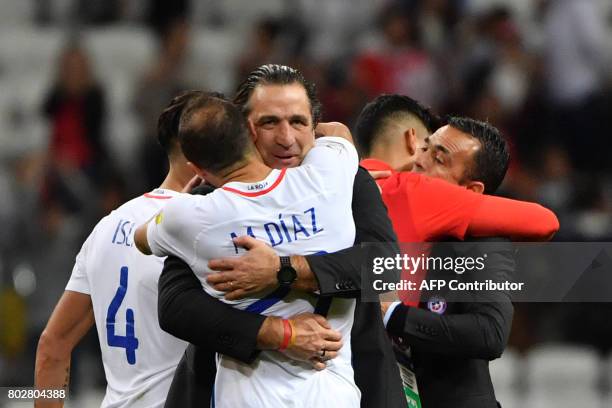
169	119
373	116
274	74
492	159
213	134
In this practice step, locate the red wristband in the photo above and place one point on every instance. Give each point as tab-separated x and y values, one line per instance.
287	332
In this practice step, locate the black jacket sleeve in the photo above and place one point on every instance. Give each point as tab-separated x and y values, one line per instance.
339	273
478	327
189	313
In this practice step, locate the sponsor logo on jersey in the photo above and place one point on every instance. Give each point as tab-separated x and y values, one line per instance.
159	217
257	186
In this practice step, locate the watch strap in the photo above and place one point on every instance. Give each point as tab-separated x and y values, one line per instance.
285	261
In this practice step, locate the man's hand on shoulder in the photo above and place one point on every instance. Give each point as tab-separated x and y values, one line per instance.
195	182
333	129
380	174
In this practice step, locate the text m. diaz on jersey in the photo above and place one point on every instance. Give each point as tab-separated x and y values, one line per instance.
284	229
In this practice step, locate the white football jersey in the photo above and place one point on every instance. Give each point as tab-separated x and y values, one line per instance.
139	358
302	210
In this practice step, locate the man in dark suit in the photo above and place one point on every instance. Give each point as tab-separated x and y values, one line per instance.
282	110
453	334
451	342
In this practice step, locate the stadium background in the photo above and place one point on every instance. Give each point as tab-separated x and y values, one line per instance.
538	70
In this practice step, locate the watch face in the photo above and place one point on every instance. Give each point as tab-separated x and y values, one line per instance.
286	275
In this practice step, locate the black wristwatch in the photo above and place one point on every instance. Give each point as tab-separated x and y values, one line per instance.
286	274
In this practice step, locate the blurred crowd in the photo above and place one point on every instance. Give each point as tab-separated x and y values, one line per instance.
84	81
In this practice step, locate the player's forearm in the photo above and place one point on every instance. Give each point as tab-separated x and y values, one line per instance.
72	318
52	369
518	220
270	335
140	239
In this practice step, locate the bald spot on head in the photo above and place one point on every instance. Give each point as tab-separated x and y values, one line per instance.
213	134
198	119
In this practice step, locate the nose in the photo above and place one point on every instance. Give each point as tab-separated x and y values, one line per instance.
285	135
421	161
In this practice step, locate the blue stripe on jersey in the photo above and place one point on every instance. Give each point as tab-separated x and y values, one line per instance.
270	299
275	296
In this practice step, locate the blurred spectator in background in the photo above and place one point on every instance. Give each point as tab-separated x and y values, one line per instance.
98	11
495	76
264	48
334	26
575	60
397	63
437	23
162	14
161	82
341	99
46	228
77	177
500	68
77	158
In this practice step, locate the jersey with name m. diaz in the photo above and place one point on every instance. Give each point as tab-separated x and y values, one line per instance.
302	210
139	358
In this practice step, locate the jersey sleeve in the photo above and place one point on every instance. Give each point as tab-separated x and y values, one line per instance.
174	230
335	156
441	209
517	220
78	279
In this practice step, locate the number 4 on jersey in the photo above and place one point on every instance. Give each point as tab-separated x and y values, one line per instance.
128	342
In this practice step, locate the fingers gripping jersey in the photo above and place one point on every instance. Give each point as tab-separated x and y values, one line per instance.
139	358
302	210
